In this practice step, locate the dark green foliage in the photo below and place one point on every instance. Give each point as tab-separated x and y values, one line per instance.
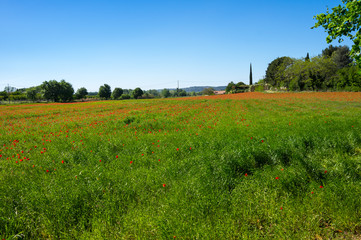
208	91
307	59
105	91
165	93
57	91
81	93
275	71
236	88
137	93
32	93
117	93
333	70
230	87
125	96
250	75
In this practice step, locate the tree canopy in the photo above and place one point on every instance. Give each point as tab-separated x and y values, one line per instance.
138	92
81	93
57	91
343	21
117	93
105	91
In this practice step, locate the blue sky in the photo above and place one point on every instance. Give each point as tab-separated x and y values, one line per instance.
152	44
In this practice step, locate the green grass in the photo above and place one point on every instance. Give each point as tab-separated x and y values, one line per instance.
232	169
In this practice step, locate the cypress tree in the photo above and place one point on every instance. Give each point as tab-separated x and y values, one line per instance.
250	75
307	59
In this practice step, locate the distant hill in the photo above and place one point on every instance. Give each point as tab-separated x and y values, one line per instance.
200	88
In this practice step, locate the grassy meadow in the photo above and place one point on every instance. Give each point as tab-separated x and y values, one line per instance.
242	166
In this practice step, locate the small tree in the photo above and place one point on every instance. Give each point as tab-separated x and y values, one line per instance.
117	93
165	93
105	91
250	75
137	93
66	91
307	59
81	93
31	94
51	90
208	91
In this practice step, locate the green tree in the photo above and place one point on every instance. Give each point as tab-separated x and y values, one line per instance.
137	93
307	59
81	93
316	74
125	96
275	73
250	75
117	93
66	91
231	87
343	21
208	91
56	91
31	94
165	93
153	93
105	91
182	93
348	79
51	90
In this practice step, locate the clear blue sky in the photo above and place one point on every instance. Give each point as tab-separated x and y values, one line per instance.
152	44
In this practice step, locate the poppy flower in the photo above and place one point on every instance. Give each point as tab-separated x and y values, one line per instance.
163	184
321	186
277	178
246	175
130	162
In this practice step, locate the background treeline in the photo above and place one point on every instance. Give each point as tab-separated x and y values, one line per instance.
63	91
333	70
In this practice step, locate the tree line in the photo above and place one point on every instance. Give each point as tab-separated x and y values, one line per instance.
62	91
333	70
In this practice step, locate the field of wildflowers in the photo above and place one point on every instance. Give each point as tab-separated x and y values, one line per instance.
252	165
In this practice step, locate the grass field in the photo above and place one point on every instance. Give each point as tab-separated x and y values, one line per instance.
242	166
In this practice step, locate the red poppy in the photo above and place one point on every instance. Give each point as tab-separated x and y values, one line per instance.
246	175
277	178
325	171
100	160
321	186
131	162
163	184
62	161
